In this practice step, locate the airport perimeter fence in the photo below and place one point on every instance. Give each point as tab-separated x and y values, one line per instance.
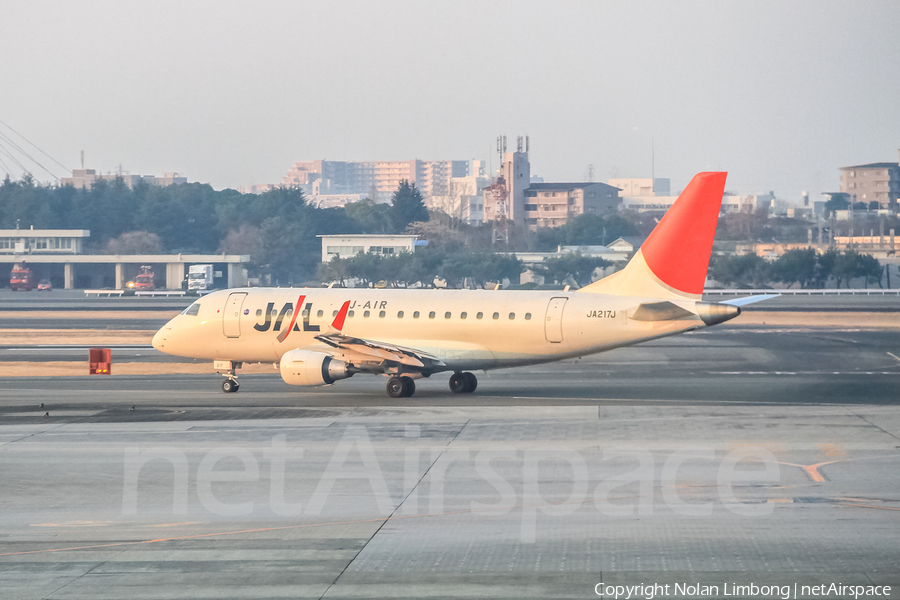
807	292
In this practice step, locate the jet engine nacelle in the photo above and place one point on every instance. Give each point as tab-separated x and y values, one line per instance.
308	367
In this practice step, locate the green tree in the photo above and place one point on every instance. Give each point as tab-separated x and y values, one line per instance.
573	265
837	201
369	217
585	230
407	206
744	271
243	240
824	268
846	267
795	266
869	268
135	242
333	270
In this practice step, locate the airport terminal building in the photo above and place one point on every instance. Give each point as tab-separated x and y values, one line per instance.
58	255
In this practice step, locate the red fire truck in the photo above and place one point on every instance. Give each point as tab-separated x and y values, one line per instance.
144	280
21	278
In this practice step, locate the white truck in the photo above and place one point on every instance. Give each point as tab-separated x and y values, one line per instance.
200	278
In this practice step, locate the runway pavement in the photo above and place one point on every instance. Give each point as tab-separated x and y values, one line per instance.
736	456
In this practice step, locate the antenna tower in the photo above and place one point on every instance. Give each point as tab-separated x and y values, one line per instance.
500	224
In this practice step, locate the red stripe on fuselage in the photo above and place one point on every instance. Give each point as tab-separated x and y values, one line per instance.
297	309
338	322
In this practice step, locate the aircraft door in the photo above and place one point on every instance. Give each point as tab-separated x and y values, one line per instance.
553	322
231	316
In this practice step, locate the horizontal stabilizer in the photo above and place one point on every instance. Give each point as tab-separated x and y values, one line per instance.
658	311
749	299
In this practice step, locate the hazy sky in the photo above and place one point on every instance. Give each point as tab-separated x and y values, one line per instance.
780	94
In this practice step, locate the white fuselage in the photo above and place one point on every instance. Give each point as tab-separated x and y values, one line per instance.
465	329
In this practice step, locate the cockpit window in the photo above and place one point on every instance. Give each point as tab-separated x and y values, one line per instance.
192	310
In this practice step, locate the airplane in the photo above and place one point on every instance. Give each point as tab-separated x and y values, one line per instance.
317	336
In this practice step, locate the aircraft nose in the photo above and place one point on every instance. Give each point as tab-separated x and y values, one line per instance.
159	340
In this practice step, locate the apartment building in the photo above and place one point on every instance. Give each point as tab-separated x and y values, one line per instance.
874	182
465	200
553	204
376	180
540	204
85	178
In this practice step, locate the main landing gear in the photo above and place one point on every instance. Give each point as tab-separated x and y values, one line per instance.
463	383
230	384
401	387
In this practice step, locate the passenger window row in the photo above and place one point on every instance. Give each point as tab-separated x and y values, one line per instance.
381	314
431	315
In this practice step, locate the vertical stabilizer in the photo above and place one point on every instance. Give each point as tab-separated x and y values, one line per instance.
672	263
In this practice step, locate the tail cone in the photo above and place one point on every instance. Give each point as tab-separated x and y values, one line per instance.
713	314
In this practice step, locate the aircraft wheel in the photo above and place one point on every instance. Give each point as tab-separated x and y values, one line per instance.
409	386
471	382
395	387
230	385
459	383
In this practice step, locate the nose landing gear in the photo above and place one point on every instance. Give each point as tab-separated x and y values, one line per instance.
463	383
230	385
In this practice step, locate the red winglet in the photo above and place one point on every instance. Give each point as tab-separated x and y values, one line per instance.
678	249
338	322
298	308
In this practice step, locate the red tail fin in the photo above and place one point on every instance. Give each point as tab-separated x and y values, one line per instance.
678	249
674	259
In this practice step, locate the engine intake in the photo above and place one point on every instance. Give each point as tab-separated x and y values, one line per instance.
308	367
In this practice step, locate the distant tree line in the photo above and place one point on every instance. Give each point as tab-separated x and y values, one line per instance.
277	229
455	268
803	267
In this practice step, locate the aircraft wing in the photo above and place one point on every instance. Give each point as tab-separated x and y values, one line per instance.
371	349
749	299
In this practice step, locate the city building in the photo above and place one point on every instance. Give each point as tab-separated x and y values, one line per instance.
882	247
635	188
873	182
348	245
553	204
542	204
376	180
465	200
85	178
751	203
644	195
257	188
849	215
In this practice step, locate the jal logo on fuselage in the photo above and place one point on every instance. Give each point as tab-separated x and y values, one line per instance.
288	306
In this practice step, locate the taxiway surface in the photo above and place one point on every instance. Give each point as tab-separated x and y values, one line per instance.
733	456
